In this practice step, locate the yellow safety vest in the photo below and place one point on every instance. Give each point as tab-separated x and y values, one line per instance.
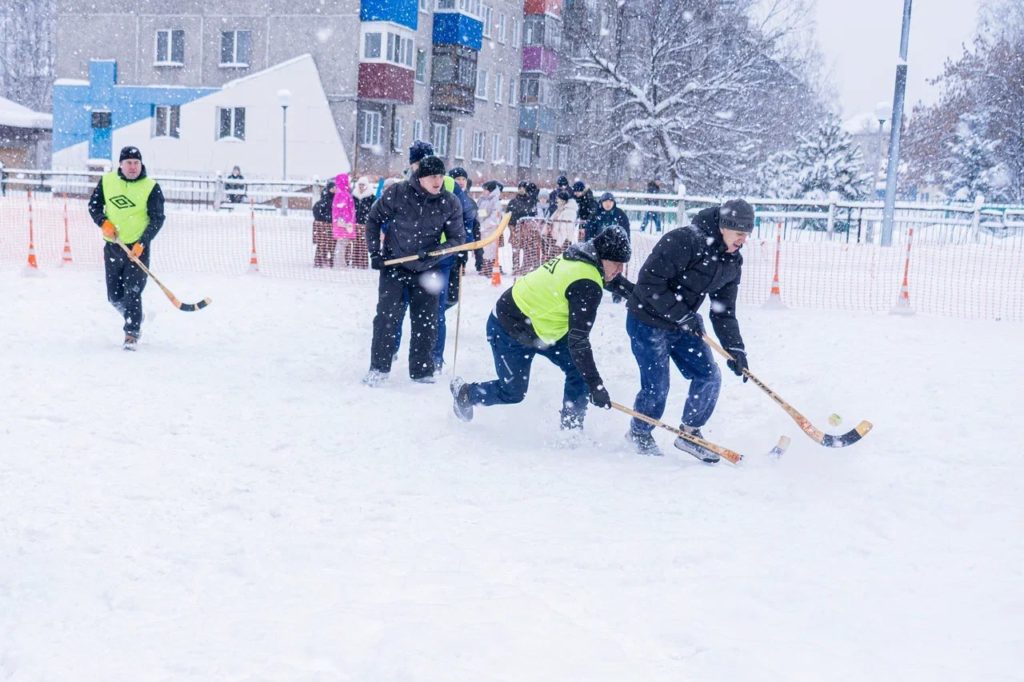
125	205
540	295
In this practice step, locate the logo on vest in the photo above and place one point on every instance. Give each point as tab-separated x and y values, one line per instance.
122	202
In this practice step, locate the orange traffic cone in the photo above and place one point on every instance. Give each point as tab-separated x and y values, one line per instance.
903	301
66	256
32	262
775	296
496	266
254	264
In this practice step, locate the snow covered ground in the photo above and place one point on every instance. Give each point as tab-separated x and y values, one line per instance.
229	503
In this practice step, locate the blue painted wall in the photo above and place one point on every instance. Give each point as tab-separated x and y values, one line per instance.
402	12
451	28
73	106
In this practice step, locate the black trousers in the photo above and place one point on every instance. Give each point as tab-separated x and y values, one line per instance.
396	282
125	282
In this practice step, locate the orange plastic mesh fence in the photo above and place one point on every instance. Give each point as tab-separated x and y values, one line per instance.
969	275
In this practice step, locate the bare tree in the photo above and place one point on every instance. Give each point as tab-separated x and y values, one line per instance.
27	52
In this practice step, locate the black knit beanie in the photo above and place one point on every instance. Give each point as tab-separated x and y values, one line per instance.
430	165
612	244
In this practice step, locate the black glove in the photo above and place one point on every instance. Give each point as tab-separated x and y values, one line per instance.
423	254
599	396
461	258
694	324
738	363
376	261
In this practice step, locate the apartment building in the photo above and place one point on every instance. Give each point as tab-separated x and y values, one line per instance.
310	87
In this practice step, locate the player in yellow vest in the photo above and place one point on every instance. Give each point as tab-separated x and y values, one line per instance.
130	205
550	312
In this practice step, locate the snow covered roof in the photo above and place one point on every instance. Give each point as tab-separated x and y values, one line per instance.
15	115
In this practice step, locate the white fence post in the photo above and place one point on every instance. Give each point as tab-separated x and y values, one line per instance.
680	205
833	199
976	217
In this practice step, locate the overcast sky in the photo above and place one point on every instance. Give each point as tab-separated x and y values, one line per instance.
861	40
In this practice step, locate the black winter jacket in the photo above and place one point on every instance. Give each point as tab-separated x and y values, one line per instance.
588	206
604	219
363	205
687	264
415	220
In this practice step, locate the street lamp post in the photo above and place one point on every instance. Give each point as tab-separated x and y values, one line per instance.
894	134
284	98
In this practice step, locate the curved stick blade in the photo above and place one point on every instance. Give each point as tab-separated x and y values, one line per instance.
848	438
191	307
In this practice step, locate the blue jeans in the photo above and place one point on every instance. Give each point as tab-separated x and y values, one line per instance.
512	361
651	217
652	348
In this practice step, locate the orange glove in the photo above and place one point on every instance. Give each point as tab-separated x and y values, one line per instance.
137	249
109	231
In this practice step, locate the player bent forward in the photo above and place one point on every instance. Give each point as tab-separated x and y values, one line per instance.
550	312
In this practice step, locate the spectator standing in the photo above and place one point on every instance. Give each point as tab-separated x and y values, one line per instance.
234	186
323	228
561	185
585	201
343	218
489	212
653	217
609	215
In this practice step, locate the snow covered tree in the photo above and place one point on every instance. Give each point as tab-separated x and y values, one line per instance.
971	161
777	177
689	90
828	160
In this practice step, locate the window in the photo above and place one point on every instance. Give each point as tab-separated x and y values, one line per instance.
511	158
563	157
525	151
515	32
235	47
421	66
371	46
502	28
399	50
496	148
445	5
479	146
167	120
606	23
439	136
481	84
231	123
499	88
512	101
397	133
170	47
488	18
424	6
552	150
471	7
371	128
539	29
417	130
459	143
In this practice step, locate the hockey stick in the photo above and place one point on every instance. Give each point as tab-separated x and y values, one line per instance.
458	315
468	246
187	307
816	434
728	454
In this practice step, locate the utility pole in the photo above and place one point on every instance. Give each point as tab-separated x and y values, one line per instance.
894	133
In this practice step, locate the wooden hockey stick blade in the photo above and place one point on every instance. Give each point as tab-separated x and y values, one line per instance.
725	453
186	307
780	448
468	246
816	434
